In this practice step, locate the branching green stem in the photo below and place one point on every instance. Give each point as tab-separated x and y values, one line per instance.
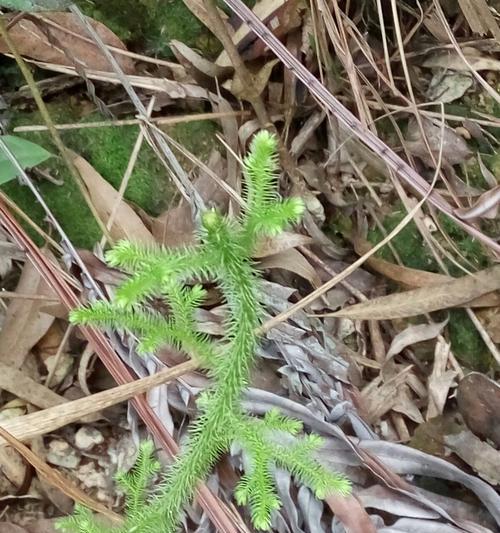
223	255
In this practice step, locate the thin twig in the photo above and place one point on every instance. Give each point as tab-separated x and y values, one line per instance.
134	121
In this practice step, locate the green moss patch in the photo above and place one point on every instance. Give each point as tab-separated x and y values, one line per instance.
466	343
108	149
149	25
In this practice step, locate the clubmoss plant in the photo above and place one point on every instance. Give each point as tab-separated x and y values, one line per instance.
223	256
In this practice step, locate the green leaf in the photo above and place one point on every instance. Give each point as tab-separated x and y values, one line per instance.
27	153
35	5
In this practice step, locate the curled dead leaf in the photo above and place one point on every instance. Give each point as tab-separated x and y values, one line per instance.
454	148
293	261
67	42
412	335
486	206
127	225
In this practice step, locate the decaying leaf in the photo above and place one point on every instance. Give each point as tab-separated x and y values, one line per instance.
414	334
259	79
486	206
425	300
69	42
284	241
440	381
454	147
478	399
482	457
450	60
380	397
127	225
197	65
25	324
449	86
293	261
413	278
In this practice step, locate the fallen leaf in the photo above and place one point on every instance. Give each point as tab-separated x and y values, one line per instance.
127	225
478	400
491	321
379	397
175	226
480	18
24	323
260	79
482	457
28	155
414	334
413	278
440	381
449	86
425	300
195	64
351	513
284	241
293	261
450	60
70	42
454	148
486	206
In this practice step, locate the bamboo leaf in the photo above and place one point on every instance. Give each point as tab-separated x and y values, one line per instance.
27	153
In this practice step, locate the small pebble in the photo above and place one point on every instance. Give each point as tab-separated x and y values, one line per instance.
87	437
62	454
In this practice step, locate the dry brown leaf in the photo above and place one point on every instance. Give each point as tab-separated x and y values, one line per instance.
480	18
67	35
490	318
440	381
412	335
293	261
351	513
454	148
127	225
482	457
486	206
425	300
413	278
284	241
175	226
478	400
24	323
450	60
196	64
379	397
259	78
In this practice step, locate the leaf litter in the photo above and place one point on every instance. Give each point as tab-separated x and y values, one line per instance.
322	364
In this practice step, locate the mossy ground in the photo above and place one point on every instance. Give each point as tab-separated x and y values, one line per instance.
465	340
108	150
149	25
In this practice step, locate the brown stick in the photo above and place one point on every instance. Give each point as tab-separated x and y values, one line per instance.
36	424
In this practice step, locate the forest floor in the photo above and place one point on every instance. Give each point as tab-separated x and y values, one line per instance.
389	128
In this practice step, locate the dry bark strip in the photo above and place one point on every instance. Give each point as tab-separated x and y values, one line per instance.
36	424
